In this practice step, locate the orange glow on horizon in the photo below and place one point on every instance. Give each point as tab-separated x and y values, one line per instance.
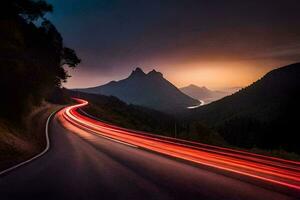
216	75
213	75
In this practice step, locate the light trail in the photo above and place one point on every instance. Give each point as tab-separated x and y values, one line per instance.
269	169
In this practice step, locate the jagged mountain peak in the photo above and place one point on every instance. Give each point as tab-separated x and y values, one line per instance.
137	72
150	90
155	73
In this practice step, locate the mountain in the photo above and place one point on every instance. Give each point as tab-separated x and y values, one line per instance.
202	93
264	114
151	90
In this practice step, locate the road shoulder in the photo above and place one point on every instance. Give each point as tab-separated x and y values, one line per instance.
20	144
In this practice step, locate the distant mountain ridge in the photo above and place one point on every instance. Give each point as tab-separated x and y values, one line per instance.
150	90
264	114
202	93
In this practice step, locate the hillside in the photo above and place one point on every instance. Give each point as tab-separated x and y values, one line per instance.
33	65
203	93
151	90
262	115
19	142
112	110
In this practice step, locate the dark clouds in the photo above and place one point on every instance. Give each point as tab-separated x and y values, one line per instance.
114	35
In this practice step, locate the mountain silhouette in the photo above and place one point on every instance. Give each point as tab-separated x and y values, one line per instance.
151	90
202	93
264	114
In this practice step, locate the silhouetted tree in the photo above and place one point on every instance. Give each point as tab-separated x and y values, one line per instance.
28	9
69	57
32	56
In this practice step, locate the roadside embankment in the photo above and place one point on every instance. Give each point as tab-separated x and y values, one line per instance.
21	141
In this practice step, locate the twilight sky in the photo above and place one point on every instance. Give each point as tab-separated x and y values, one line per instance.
215	43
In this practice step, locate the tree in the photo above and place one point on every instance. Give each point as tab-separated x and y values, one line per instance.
70	58
32	56
30	10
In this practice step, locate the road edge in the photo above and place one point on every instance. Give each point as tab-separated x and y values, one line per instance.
38	155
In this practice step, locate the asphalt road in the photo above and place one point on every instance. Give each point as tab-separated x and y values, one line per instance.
81	165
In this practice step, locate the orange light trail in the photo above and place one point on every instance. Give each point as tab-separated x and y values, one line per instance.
269	169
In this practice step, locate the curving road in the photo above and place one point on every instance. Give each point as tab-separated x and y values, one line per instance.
93	160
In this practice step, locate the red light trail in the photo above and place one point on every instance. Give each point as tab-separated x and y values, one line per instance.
278	171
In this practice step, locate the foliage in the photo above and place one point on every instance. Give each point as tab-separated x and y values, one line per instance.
29	10
32	57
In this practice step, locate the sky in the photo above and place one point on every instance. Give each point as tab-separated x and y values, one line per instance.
213	43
